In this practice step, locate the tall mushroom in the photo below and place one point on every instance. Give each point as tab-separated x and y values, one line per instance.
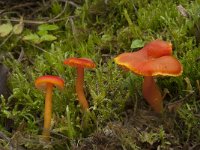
152	60
80	64
47	83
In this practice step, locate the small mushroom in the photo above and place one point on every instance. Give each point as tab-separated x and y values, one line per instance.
47	83
152	60
80	64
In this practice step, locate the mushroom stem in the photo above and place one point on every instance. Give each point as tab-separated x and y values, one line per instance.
47	112
152	94
79	88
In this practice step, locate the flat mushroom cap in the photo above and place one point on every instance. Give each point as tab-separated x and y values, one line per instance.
43	81
151	64
80	62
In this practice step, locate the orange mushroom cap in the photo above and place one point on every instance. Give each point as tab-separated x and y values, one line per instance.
158	48
41	82
151	62
80	62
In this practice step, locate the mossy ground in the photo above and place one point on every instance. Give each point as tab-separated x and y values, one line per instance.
119	117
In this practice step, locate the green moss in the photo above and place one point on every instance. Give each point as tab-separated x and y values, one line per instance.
101	30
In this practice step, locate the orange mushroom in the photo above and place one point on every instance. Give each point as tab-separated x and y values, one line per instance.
47	83
80	64
152	60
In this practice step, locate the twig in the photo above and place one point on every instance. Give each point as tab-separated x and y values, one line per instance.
37	21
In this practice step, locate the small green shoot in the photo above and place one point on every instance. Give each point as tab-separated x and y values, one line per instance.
137	44
42	34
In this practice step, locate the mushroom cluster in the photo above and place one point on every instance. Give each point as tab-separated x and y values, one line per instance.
153	59
47	82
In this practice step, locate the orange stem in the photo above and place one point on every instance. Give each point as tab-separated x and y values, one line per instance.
47	112
152	94
79	88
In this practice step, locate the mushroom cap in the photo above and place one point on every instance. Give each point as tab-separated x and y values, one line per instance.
80	62
43	81
158	48
149	62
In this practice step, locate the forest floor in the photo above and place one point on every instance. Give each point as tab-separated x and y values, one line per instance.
37	36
